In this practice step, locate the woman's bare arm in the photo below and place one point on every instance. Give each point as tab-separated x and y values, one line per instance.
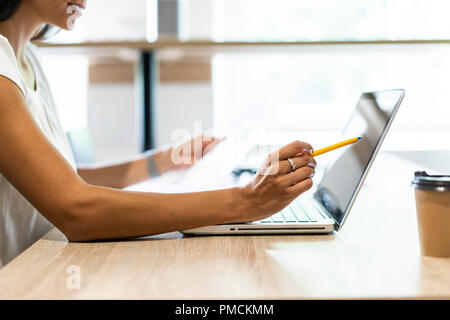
121	174
85	212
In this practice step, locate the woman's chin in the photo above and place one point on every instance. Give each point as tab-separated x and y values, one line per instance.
67	26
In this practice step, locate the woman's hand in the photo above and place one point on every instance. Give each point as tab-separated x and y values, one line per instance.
186	154
275	184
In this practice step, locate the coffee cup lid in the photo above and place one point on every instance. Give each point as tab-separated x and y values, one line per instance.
422	180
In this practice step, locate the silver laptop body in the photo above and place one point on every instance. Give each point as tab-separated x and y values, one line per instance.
327	209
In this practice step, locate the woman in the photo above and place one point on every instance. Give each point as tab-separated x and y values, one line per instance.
41	187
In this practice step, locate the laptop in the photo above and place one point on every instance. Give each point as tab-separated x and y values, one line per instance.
326	209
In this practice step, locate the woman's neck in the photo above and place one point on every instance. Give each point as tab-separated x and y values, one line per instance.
20	28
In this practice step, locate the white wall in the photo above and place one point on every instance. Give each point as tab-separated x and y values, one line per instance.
114	115
179	105
196	20
113	121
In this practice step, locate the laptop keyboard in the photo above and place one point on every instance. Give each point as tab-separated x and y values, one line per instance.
297	211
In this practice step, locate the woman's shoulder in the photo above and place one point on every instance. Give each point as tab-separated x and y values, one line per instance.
6	51
8	63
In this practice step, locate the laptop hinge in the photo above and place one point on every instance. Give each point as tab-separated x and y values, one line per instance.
323	210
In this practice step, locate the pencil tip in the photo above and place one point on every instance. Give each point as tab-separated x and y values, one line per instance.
359	138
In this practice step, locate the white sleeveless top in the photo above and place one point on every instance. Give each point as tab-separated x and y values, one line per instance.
20	223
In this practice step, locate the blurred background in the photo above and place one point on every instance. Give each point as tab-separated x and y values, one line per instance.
320	55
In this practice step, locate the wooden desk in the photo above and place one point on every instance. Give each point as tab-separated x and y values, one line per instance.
376	255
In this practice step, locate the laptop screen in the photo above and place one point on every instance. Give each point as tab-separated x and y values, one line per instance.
349	165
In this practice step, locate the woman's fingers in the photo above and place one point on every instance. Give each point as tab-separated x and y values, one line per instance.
211	145
201	145
276	184
297	176
207	140
300	161
291	150
300	187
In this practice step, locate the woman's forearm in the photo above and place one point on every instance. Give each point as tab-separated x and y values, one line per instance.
108	213
123	174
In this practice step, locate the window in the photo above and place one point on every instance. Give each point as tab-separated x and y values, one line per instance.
315	87
320	20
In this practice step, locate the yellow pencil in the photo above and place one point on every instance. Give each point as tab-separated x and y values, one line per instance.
335	146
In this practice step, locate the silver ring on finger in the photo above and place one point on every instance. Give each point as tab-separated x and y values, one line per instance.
293	167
